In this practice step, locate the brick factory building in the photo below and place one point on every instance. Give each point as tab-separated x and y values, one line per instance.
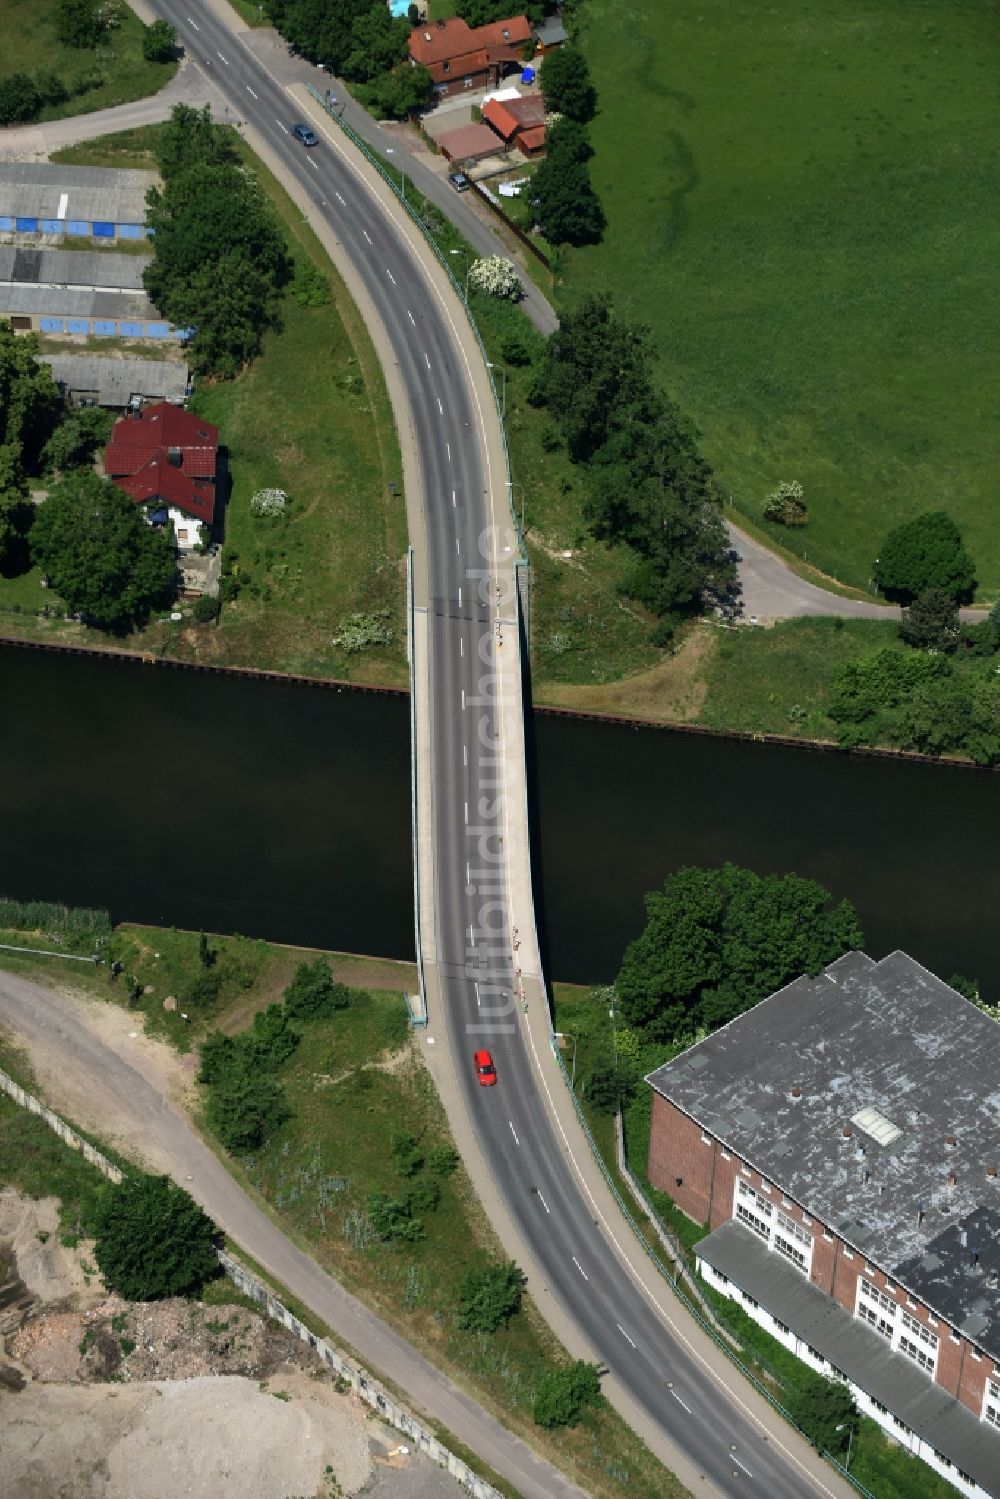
841	1141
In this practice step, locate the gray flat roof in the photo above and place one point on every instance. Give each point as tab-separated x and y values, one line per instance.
35	189
76	301
857	1351
92	268
894	1130
117	380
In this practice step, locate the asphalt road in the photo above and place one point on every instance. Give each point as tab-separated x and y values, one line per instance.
515	1128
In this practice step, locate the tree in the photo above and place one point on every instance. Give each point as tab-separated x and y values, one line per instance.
321	30
824	1410
403	90
20	98
218	1057
271	1040
407	1154
102	558
15	511
312	994
79	23
379	41
190	138
77	438
489	1297
568	141
567	86
925	553
152	1240
482	12
563	1393
569	211
158	41
931	622
718	940
245	1108
30	403
206	954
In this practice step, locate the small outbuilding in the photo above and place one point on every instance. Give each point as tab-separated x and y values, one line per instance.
470	143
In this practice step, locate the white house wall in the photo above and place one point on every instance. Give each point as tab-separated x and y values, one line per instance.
865	1404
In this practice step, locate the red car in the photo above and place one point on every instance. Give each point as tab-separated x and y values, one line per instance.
485	1070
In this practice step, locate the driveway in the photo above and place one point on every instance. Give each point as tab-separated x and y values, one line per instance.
188	86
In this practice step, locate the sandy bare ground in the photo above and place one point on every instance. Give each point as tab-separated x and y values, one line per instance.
96	1419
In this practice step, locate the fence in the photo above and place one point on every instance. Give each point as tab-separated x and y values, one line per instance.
45	952
363	1384
73	1140
692	1307
515	229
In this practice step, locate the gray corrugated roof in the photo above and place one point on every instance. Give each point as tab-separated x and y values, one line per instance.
26	266
35	188
76	301
116	380
893	1037
857	1351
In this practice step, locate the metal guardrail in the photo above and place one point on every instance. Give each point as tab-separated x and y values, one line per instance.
682	1296
422	1018
457	287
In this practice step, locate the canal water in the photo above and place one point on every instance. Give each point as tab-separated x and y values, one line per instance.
241	805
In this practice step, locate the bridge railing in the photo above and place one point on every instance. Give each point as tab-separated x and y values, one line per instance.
421	1019
374	160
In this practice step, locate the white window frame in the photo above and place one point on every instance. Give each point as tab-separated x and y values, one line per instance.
779	1231
991	1403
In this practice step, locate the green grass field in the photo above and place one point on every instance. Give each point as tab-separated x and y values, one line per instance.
801	201
124	73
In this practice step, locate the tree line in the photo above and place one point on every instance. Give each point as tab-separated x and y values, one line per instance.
649	491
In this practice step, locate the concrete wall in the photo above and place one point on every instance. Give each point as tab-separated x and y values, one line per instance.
363	1383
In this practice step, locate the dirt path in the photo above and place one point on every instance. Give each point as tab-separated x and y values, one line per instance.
93	1062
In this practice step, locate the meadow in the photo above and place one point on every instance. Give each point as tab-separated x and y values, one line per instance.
800	202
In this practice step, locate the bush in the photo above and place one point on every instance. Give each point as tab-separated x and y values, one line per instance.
497	277
152	1240
443	1160
488	1298
205	609
312	994
392	1218
824	1410
786	506
563	1393
406	1153
607	1088
77	438
19	99
218	1057
270	1041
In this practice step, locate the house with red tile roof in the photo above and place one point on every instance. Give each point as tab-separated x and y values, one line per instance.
460	57
167	458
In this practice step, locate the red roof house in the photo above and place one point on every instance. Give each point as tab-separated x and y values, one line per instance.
165	454
460	57
520	122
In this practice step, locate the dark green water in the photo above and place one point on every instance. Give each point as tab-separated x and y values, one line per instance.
196	800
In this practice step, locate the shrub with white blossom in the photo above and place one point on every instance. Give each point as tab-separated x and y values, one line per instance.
497	277
359	631
269	502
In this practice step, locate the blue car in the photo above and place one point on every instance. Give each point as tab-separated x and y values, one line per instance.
305	135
